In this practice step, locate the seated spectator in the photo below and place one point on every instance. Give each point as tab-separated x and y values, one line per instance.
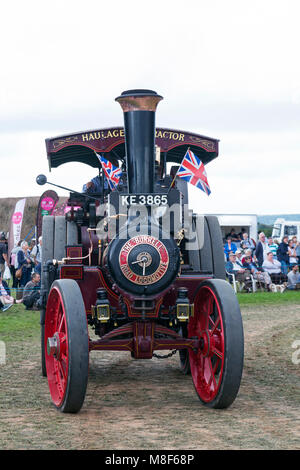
233	266
293	258
273	247
258	273
241	233
283	254
229	247
294	278
273	267
31	292
5	298
243	246
247	243
262	248
249	254
239	254
233	236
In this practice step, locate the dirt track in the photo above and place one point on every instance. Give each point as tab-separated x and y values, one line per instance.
150	405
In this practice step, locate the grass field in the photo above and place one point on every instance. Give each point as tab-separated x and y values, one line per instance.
150	404
19	322
269	298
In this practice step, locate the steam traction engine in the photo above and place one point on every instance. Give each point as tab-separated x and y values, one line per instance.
136	265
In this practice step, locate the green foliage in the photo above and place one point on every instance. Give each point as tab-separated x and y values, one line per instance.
267	229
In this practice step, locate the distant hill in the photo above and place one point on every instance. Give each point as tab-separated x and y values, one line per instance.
7	207
270	219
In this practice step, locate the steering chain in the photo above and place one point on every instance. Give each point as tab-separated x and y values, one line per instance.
165	356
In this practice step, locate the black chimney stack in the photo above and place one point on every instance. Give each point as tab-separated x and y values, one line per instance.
139	108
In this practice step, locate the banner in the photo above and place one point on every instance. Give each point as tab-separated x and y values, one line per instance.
46	206
16	225
63	208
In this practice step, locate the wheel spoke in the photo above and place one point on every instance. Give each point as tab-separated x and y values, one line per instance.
212	384
62	371
215	325
64	358
216	365
208	310
218	353
61	323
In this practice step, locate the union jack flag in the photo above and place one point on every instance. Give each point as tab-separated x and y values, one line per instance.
112	173
193	171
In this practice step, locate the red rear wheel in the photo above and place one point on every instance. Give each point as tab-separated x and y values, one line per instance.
217	365
66	346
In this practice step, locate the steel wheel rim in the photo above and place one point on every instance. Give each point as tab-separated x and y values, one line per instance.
207	363
57	366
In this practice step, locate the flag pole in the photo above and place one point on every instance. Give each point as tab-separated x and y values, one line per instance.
171	185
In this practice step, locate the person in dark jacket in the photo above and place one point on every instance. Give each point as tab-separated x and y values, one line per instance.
233	266
262	248
3	253
31	292
24	262
283	254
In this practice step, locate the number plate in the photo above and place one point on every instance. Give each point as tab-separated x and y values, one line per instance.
143	199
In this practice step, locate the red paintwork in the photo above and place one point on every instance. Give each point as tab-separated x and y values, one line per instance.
57	368
207	362
93	279
142	341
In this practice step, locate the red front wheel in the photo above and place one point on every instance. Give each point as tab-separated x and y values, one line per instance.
66	346
217	365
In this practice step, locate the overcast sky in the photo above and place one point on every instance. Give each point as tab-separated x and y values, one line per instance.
226	69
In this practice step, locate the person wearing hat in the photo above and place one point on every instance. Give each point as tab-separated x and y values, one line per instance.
239	255
241	273
3	253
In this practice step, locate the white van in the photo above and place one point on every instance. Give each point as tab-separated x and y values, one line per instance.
284	227
238	222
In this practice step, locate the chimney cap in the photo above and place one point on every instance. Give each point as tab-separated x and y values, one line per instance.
139	100
138	92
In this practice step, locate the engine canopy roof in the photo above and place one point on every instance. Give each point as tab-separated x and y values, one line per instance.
81	146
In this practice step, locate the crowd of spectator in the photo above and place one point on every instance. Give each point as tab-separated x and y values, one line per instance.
274	265
270	263
24	268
